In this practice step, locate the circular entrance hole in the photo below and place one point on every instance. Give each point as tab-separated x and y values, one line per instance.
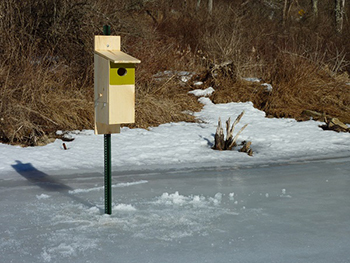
122	71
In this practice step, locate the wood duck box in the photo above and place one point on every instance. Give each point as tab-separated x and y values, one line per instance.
114	78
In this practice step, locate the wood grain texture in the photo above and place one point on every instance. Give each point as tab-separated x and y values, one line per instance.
117	56
114	100
107	43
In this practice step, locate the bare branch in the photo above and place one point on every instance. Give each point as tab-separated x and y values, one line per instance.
236	137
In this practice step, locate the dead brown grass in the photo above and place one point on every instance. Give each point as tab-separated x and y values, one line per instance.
40	102
46	61
307	67
296	88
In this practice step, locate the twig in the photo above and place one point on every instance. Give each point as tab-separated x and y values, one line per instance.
236	137
43	116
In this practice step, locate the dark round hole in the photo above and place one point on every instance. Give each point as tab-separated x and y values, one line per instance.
122	72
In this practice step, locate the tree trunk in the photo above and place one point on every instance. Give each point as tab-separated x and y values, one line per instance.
230	142
339	14
198	5
219	138
315	7
285	8
210	6
246	148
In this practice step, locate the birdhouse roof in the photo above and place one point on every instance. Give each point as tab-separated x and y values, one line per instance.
109	48
117	56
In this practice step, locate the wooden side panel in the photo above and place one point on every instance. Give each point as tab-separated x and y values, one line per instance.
101	79
101	128
107	43
122	104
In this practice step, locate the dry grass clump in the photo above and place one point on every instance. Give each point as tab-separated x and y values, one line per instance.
153	110
44	82
162	99
46	75
297	85
46	60
39	102
306	63
303	85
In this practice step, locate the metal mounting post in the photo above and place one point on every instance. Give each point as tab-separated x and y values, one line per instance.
108	157
108	173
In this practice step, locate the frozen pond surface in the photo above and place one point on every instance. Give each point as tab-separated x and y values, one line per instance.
281	213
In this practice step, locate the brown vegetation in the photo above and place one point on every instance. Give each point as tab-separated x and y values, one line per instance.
46	60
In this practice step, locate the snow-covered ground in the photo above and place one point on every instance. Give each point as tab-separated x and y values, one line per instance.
179	145
177	200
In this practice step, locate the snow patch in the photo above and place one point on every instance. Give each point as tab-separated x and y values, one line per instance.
130	183
184	76
201	92
194	200
181	144
46	256
231	196
284	194
205	101
78	191
42	196
252	79
94	210
100	188
216	200
268	87
124	207
198	83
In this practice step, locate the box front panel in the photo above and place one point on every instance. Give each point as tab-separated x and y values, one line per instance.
121	104
122	74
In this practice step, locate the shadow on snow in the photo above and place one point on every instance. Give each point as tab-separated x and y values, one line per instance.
46	182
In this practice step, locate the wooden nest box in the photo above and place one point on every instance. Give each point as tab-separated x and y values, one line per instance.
114	78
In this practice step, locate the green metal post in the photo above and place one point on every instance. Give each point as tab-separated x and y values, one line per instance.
108	173
108	157
106	30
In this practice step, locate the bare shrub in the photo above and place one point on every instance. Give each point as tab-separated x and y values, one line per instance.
46	59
